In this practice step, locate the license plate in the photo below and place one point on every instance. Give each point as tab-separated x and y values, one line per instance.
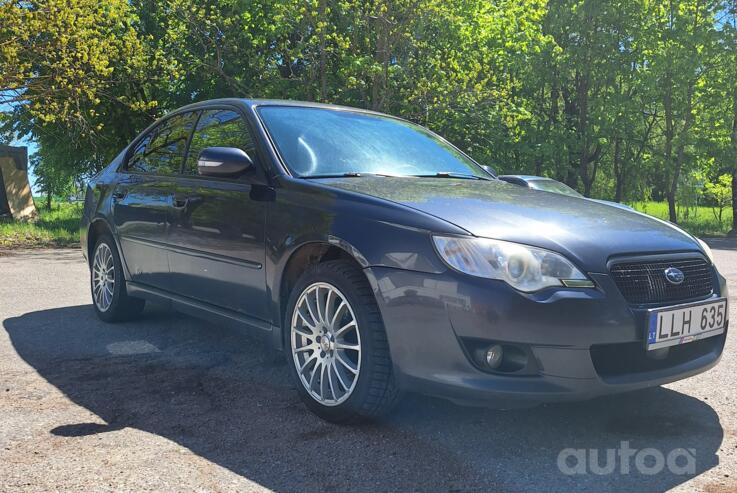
686	323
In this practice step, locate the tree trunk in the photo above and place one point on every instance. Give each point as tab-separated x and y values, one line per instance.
672	214
48	201
680	156
668	151
381	56
538	166
582	100
323	55
733	232
618	171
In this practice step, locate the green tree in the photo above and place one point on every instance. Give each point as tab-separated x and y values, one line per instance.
52	180
728	99
680	47
59	58
621	99
720	193
77	77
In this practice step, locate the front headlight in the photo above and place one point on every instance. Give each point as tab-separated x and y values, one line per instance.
706	249
523	267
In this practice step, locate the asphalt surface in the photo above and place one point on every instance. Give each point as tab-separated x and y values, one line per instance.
170	403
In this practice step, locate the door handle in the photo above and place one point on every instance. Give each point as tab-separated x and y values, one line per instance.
185	202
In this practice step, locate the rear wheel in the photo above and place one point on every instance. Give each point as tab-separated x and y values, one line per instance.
109	295
337	348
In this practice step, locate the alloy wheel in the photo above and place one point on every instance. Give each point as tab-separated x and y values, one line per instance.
103	277
326	344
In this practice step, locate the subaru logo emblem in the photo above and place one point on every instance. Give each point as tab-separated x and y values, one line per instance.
674	276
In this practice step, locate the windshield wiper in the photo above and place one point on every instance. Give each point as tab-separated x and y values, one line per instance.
449	174
349	174
440	174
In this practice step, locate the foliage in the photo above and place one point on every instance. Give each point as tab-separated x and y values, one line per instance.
623	99
58	55
720	193
74	75
53	179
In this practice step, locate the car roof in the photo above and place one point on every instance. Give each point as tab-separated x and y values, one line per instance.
276	102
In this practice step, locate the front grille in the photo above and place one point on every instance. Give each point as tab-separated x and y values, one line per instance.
645	282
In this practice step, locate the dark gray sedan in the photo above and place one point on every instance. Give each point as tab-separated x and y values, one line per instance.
382	259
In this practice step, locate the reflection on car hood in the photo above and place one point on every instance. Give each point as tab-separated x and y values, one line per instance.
584	230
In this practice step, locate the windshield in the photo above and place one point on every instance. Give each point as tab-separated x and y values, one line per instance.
316	142
553	186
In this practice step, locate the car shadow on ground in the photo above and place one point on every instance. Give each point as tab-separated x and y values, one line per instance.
215	392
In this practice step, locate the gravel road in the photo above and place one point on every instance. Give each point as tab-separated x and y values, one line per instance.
170	403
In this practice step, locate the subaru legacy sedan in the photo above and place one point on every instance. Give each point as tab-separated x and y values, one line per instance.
381	259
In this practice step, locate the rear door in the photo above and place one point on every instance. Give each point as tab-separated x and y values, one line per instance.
217	233
143	198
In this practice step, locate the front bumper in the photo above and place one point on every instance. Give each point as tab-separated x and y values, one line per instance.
575	338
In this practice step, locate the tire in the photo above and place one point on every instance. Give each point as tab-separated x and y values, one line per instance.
111	300
338	394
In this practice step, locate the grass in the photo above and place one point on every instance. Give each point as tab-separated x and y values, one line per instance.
699	221
58	227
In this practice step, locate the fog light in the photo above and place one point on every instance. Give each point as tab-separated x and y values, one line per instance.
494	356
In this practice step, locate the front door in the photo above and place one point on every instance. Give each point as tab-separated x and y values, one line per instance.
140	210
143	199
217	230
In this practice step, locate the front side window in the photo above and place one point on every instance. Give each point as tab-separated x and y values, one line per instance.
162	151
137	159
218	128
316	142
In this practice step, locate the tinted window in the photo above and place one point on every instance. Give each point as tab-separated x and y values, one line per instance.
137	160
316	141
162	151
219	128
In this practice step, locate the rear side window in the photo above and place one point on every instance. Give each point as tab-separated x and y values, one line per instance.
219	128
162	151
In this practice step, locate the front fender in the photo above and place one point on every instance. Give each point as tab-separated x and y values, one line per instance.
374	232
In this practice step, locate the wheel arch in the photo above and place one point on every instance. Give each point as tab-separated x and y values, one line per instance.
100	226
301	259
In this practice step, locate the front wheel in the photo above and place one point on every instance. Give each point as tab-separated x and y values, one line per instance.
337	349
109	295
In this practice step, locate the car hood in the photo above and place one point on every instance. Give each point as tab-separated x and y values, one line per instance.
584	230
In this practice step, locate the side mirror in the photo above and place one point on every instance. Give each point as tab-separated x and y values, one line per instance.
223	161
